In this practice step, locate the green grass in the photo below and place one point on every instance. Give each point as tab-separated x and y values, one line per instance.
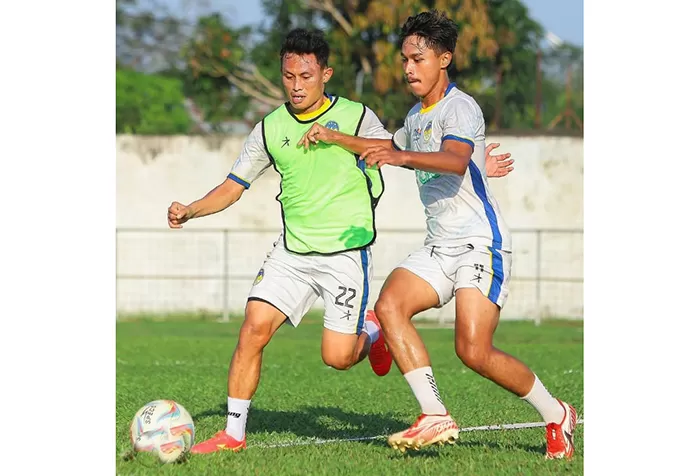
299	399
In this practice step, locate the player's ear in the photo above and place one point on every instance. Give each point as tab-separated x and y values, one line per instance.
445	60
327	73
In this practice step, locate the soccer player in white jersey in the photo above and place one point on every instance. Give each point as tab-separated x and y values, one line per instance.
467	251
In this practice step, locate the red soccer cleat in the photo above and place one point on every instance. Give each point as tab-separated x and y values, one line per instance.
560	437
221	441
379	356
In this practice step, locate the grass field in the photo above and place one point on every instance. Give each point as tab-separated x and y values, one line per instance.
300	400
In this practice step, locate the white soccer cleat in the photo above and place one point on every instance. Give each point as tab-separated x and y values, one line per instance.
427	430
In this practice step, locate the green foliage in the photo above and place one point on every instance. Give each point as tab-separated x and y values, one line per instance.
150	104
213	76
495	59
563	82
233	74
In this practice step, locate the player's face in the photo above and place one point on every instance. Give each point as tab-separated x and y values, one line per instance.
304	80
422	65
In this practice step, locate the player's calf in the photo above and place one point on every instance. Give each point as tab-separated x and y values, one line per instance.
476	322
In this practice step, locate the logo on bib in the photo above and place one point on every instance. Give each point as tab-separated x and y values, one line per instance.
332	125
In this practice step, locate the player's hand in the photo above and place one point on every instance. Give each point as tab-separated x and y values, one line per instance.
379	155
178	214
497	165
316	134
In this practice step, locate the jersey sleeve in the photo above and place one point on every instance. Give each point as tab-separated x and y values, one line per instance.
253	159
400	139
371	127
461	121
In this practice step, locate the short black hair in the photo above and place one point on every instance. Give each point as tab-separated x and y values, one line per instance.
439	32
301	41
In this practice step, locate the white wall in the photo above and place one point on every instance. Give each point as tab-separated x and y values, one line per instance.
545	191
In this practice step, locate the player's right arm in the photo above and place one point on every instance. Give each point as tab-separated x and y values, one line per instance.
371	134
220	198
251	163
356	144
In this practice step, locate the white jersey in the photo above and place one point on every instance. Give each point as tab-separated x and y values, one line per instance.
459	209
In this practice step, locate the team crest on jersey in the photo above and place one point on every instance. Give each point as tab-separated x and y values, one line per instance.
428	131
332	125
259	277
425	177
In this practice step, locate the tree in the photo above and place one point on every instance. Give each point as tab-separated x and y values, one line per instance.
563	100
150	104
494	59
216	50
221	75
234	73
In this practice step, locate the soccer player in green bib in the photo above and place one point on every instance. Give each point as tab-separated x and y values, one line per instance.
328	198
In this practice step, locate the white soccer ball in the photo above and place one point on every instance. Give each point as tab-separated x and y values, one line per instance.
164	428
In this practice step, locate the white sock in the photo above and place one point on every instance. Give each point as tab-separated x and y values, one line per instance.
547	406
425	389
372	330
237	417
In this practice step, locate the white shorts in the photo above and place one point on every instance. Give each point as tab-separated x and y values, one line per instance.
292	283
448	269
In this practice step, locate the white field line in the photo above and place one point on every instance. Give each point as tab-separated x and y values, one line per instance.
510	426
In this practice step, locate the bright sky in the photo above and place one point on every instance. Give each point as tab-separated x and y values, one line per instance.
564	18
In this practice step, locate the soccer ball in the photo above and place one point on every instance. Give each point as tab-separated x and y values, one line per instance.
164	428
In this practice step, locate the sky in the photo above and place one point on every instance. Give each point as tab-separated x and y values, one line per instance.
564	18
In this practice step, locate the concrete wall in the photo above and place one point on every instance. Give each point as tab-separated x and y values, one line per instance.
545	191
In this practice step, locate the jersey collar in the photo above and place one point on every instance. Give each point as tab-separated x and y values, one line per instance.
312	116
447	91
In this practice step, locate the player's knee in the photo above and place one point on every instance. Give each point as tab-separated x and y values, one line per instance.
387	308
339	361
255	332
474	356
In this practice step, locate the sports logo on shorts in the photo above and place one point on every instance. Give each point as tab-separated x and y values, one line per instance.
259	277
428	131
332	125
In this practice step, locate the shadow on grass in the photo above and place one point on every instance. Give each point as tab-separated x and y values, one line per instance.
475	443
317	422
